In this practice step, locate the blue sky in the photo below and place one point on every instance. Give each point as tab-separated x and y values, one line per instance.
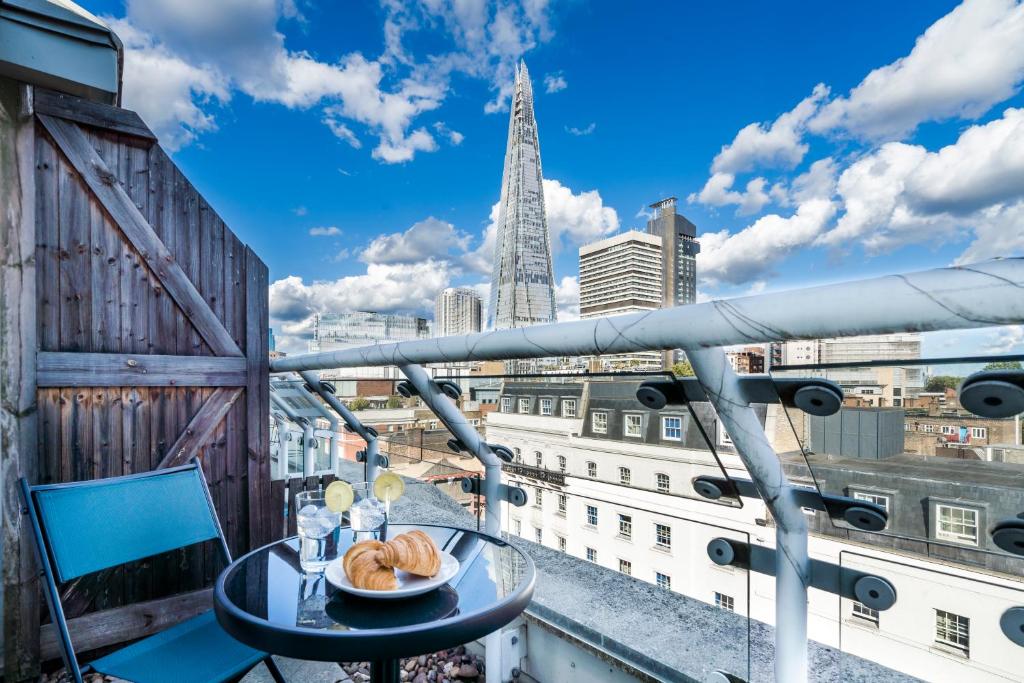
358	146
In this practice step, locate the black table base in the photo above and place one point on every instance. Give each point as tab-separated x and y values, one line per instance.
384	671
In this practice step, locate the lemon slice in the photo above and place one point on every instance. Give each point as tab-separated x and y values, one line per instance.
388	487
339	496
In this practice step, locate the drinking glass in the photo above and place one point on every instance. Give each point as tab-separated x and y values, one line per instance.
318	530
368	515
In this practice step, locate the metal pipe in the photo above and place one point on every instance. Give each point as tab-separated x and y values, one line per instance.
979	295
792	565
308	456
373	460
456	423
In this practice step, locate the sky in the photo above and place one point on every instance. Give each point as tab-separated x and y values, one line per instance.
358	146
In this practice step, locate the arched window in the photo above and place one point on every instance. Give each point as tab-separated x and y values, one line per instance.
662	482
538	458
561	463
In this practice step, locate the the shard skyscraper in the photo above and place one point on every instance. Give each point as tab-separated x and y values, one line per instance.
522	282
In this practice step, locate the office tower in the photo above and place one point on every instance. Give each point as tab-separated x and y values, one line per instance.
622	274
333	331
457	311
522	282
679	251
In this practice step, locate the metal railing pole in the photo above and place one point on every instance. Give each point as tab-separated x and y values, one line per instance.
456	422
308	456
372	448
792	569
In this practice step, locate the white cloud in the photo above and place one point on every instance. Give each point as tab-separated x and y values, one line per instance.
1006	340
567	299
966	62
555	82
903	194
168	93
576	219
300	211
736	258
183	54
778	145
717	191
328	231
587	130
454	136
427	239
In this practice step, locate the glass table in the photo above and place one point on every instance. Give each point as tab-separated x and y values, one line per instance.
266	601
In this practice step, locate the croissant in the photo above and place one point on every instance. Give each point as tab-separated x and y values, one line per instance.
413	552
363	567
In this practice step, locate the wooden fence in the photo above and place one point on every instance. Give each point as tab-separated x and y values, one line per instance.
135	329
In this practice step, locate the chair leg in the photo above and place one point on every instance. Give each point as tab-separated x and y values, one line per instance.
274	671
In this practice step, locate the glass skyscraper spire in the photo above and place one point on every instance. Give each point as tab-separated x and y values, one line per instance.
522	282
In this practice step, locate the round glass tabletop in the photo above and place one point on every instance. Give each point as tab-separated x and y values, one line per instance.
266	601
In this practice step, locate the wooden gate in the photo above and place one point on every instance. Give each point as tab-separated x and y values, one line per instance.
151	331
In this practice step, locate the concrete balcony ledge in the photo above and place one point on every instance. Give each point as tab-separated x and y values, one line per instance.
640	631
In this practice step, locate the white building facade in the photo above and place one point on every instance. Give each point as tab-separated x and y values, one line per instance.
611	483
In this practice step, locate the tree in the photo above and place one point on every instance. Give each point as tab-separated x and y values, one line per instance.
940	383
682	369
1004	365
394	402
359	403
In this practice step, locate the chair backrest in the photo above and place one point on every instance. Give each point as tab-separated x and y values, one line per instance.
92	525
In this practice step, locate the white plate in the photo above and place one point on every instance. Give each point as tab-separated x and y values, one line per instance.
408	584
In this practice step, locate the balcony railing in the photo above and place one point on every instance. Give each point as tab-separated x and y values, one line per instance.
802	519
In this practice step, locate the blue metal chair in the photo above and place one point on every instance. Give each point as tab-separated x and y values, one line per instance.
89	526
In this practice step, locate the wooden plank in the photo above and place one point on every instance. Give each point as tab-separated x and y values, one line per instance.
278	492
75	262
57	369
162	332
111	627
106	243
201	427
18	412
139	233
136	300
47	244
257	398
95	114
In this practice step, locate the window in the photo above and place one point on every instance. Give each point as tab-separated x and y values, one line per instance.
561	503
517	527
633	425
661	481
956	524
979	433
626	567
519	454
952	630
506	404
672	428
948	429
538	534
592	515
626	526
538	458
538	497
561	463
569	407
876	498
723	435
662	536
927	429
591	469
545	406
561	543
624	476
865	613
524	405
663	580
599	423
591	555
725	601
